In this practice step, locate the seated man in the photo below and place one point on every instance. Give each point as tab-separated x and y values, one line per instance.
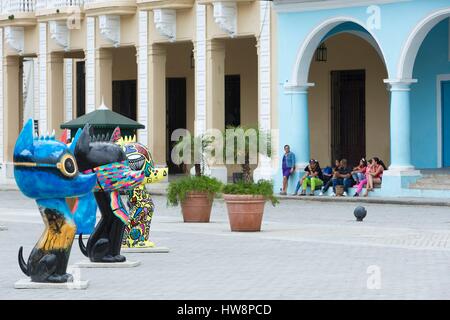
328	177
342	176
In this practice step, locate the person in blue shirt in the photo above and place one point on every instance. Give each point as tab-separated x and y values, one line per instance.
288	167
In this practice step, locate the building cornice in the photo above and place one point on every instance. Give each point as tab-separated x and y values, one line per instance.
299	5
164	4
120	8
21	19
212	1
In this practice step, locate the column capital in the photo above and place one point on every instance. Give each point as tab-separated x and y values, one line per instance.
103	53
215	45
400	84
11	61
156	50
295	88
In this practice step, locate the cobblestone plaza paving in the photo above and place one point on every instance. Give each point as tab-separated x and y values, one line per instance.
306	250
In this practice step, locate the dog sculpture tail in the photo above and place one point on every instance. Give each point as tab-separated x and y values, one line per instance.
22	264
82	246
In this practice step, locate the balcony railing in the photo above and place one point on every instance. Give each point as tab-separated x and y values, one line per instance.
50	4
93	2
17	6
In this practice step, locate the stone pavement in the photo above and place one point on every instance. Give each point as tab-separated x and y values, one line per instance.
307	250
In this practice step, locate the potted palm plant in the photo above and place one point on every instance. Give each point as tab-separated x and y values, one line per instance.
246	199
194	193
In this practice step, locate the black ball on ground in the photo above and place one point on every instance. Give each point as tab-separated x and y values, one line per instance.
360	213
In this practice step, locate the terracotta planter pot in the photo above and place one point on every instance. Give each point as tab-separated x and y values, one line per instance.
196	207
245	211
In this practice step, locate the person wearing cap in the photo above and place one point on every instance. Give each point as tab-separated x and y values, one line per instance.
288	167
313	177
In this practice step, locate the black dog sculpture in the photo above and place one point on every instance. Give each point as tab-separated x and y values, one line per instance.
107	159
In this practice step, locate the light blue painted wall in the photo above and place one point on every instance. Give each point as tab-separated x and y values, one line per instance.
432	59
397	22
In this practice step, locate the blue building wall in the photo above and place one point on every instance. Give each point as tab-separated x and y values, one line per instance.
432	60
398	20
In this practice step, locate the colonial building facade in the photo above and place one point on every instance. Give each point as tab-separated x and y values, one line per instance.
166	63
367	78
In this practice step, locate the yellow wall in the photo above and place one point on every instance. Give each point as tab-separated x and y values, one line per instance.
178	65
124	63
241	58
347	52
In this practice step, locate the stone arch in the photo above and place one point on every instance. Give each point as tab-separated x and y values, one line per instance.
306	52
414	41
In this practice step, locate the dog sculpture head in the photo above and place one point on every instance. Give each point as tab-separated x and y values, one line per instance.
45	168
107	159
140	158
92	152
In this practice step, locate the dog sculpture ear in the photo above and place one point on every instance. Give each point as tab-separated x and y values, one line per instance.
82	141
116	135
24	147
75	141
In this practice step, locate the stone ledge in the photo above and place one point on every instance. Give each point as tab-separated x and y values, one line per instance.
28	284
376	200
89	264
146	250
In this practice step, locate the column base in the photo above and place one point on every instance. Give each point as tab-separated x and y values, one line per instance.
218	172
9	170
264	170
397	178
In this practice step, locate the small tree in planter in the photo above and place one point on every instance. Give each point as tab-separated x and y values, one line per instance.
194	193
245	203
246	199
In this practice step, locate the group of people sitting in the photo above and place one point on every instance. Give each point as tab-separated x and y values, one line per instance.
365	174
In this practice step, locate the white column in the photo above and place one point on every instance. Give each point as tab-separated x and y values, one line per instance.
142	65
36	88
68	89
200	71
1	106
27	90
264	169
42	56
90	64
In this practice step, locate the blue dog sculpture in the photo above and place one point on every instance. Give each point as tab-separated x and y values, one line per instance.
46	170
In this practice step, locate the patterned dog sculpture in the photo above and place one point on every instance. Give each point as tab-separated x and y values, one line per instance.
140	203
46	170
107	160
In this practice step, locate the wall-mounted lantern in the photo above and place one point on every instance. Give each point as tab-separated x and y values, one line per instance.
322	53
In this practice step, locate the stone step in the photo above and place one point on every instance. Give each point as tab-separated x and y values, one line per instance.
429	186
434	181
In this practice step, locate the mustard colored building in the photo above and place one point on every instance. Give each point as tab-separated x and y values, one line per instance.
166	63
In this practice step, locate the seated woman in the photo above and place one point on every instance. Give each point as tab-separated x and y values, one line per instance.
313	177
359	172
374	174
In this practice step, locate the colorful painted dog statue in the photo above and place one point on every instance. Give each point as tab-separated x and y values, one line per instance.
46	170
140	203
107	160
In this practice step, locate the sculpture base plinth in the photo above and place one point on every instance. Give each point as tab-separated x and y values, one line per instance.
85	236
28	284
146	250
89	264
